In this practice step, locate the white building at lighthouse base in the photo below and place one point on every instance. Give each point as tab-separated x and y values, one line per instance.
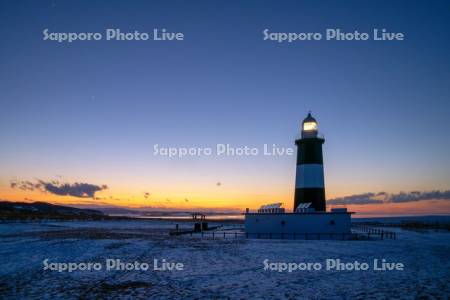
276	224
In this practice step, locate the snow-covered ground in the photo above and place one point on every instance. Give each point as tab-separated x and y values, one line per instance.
213	268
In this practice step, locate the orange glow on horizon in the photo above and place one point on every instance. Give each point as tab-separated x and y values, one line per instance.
217	198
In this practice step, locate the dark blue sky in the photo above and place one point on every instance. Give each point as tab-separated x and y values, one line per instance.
92	111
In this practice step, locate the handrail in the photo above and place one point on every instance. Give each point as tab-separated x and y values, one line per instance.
320	135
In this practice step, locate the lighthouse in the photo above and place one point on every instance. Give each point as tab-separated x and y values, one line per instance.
309	220
309	180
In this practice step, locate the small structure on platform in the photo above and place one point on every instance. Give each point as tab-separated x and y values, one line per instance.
309	218
271	208
202	225
304	207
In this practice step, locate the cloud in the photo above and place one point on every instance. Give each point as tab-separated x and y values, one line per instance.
81	190
77	189
383	197
25	185
367	198
420	196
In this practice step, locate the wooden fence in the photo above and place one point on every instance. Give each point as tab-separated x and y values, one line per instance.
370	231
359	233
290	236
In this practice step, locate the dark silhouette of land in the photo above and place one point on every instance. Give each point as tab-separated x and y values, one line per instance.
43	210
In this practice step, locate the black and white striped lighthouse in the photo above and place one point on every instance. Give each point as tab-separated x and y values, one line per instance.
309	181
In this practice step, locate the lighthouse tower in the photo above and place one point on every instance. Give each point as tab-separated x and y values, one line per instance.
309	181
